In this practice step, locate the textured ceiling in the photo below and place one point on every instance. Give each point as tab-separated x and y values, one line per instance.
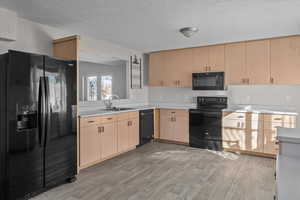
150	25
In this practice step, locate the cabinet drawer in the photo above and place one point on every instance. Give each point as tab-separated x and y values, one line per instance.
273	121
133	114
234	116
122	116
107	118
173	112
234	124
89	121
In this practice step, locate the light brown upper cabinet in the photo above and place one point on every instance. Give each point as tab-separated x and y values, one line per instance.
156	69
182	67
269	61
285	60
235	66
209	59
258	62
200	59
216	59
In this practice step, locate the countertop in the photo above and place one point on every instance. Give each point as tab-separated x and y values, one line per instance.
289	135
279	110
99	112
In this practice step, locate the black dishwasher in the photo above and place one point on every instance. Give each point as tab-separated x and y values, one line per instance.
146	126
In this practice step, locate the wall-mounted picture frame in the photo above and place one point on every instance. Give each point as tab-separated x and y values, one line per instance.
136	72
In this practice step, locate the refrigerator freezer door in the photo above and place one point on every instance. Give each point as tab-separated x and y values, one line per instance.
25	154
3	63
60	149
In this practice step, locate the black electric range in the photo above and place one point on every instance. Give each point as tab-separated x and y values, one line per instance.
206	123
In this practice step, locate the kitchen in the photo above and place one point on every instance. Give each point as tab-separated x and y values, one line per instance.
146	124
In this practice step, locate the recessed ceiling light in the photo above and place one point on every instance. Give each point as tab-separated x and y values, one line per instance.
188	31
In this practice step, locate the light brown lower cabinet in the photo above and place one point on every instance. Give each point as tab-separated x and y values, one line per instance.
242	131
252	132
134	131
107	136
123	136
90	145
174	125
108	140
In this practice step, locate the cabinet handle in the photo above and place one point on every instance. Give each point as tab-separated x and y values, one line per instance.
102	128
109	118
238	125
99	129
129	123
272	80
91	122
241	117
277	118
178	82
248	80
209	68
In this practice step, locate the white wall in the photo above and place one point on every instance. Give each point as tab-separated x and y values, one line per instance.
281	96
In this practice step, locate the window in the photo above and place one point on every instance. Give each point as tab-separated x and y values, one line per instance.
92	88
106	87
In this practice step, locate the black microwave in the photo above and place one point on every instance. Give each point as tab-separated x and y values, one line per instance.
208	81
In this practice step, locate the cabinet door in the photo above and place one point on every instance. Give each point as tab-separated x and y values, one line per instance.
166	127
270	145
181	129
234	133
123	135
216	58
254	133
182	67
134	132
200	59
235	68
156	68
169	79
258	61
90	145
233	138
108	140
285	60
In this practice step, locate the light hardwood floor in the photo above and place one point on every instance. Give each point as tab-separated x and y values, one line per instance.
159	171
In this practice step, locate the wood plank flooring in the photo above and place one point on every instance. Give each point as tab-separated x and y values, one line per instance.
159	171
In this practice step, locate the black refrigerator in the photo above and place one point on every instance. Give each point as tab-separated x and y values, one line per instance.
38	100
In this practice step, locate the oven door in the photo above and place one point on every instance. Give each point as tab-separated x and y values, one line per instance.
208	81
205	129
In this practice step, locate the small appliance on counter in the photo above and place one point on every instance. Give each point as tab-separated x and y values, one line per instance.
206	123
208	81
146	126
38	145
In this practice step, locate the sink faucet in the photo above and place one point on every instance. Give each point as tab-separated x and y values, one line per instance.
108	102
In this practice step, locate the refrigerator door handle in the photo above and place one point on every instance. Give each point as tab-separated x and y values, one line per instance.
48	110
41	110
